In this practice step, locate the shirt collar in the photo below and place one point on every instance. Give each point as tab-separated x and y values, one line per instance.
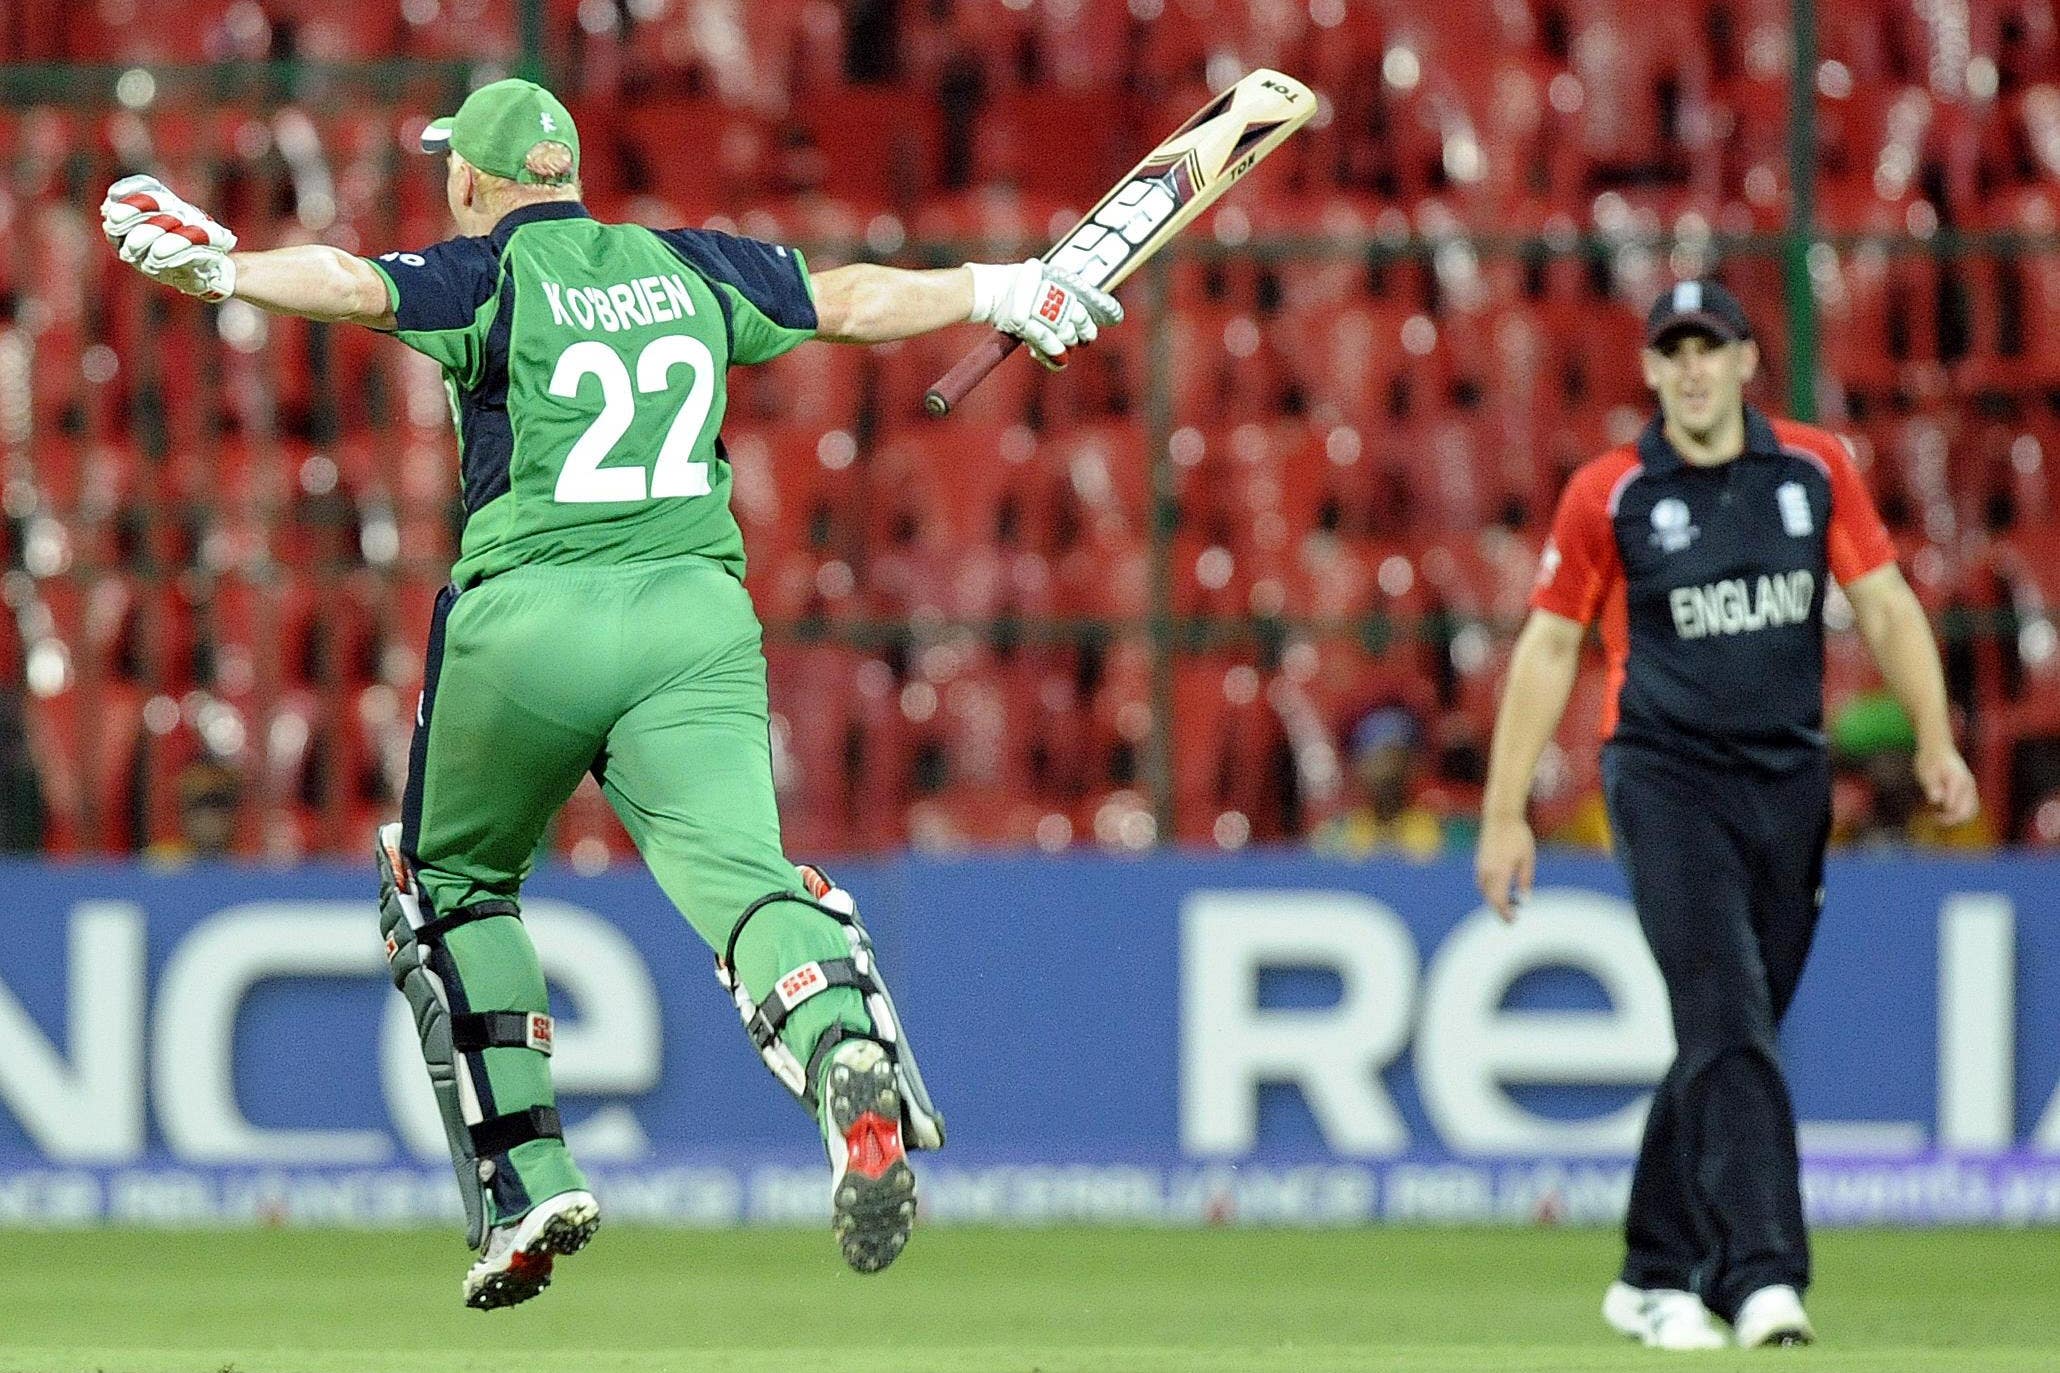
1760	441
531	214
1657	455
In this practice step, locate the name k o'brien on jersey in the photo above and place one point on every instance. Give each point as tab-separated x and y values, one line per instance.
1737	606
622	305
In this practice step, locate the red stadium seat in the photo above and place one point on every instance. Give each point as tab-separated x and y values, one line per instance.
820	387
472	30
1017	129
872	145
1226	736
691	153
1354	421
86	740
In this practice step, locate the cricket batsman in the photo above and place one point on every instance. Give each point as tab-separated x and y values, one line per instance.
596	621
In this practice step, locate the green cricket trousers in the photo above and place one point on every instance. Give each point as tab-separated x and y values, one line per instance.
651	676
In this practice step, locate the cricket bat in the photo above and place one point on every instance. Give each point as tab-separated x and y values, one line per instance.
1157	199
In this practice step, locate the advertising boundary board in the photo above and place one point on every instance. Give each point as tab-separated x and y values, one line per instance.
1177	1039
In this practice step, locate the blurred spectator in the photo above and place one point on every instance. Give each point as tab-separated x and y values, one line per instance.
1459	765
1385	780
208	793
1880	804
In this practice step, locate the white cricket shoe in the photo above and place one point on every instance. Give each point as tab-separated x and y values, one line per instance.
1660	1318
519	1255
872	1188
1623	1308
1679	1320
1773	1316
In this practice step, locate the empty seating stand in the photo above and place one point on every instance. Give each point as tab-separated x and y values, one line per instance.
1341	411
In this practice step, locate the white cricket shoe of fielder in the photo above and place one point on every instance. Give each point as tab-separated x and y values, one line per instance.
1679	1320
1623	1308
1660	1318
872	1188
1773	1316
519	1255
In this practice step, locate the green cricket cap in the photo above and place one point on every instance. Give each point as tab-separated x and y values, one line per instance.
499	123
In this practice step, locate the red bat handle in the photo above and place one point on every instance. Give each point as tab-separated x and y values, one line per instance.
967	373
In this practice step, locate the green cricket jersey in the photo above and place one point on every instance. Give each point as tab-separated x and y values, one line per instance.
585	363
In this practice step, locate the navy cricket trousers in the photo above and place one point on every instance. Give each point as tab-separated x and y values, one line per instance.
1726	868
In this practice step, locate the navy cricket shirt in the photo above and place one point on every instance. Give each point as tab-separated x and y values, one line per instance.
1710	584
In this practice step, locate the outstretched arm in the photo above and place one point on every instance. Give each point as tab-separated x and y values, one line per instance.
866	303
315	282
178	244
1049	310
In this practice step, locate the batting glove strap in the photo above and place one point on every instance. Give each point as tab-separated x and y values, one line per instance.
991	283
204	273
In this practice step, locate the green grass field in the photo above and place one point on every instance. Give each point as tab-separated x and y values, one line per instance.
975	1301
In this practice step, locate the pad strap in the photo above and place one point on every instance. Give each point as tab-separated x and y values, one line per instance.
472	1031
832	1037
499	1134
805	982
729	951
432	931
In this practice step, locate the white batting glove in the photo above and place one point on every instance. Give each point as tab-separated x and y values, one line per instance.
167	238
1046	308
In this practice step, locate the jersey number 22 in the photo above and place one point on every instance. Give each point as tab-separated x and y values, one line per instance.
583	479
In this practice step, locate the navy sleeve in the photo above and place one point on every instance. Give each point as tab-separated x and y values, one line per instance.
442	287
773	279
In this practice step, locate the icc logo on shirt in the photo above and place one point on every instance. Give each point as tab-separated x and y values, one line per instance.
1671	531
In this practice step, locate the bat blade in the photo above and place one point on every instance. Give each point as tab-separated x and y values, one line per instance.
1158	198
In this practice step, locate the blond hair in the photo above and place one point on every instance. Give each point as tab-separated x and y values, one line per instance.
549	162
